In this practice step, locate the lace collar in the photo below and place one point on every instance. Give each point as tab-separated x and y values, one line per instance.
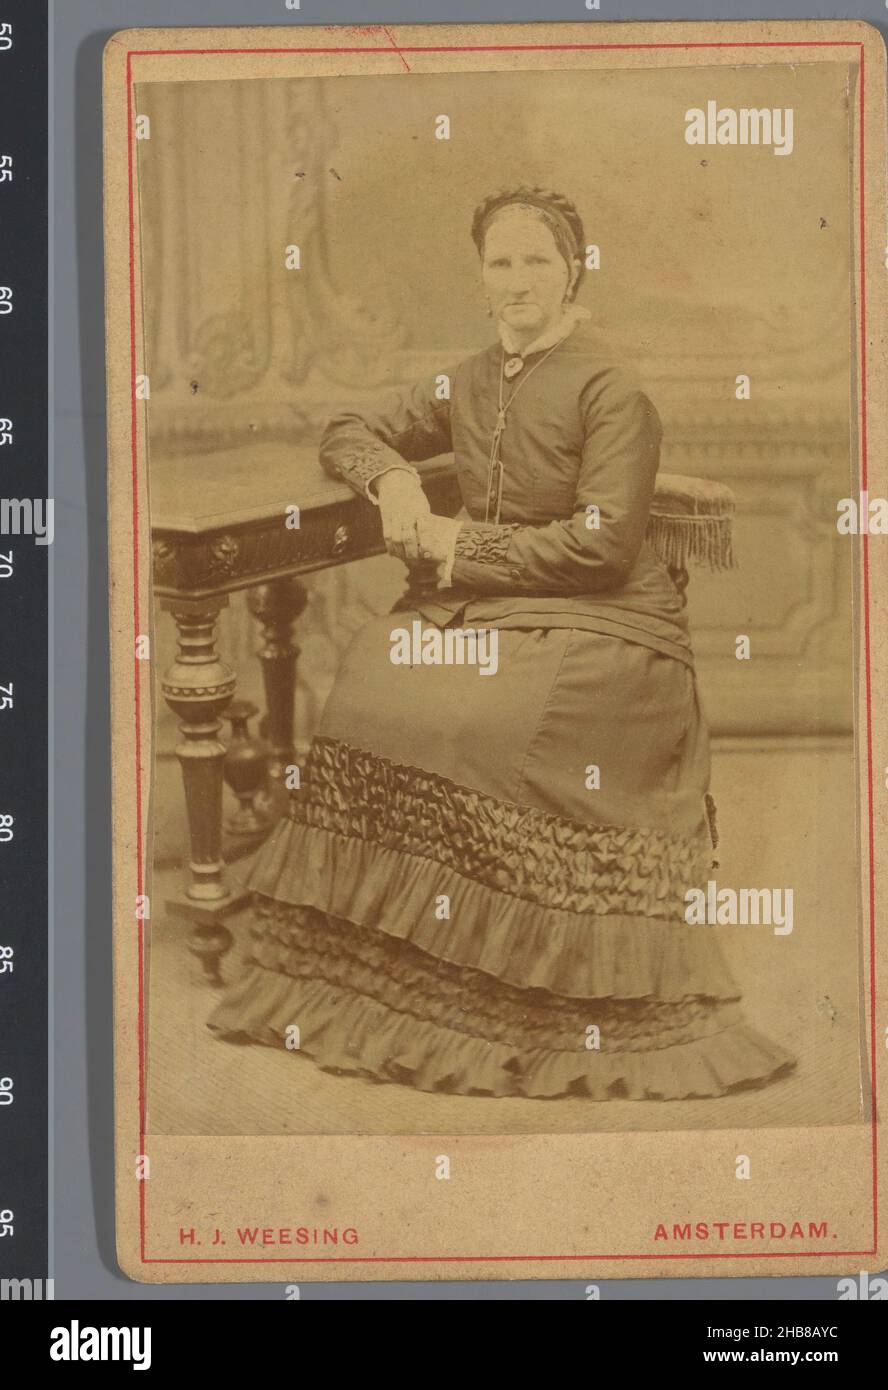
572	315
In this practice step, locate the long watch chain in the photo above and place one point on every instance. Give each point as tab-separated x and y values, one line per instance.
495	472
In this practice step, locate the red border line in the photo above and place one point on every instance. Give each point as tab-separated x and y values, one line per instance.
866	648
495	48
140	1011
503	47
492	1259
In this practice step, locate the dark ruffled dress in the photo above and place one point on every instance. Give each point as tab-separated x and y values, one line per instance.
480	884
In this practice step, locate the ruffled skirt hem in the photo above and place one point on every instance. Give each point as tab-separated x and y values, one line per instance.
347	1033
615	952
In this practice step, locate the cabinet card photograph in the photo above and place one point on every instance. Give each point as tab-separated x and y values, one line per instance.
498	496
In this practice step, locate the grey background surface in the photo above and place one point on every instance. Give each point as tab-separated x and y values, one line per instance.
84	1263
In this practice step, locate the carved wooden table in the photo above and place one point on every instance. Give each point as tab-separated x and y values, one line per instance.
219	525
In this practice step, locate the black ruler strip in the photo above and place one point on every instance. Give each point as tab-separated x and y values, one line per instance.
26	533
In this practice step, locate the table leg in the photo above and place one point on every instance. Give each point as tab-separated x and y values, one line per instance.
197	687
276	606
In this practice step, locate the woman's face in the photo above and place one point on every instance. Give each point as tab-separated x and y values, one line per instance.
524	275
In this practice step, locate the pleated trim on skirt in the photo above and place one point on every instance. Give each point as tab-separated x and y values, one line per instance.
526	943
381	1008
449	905
564	966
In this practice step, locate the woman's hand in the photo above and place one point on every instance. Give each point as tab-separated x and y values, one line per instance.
437	536
437	544
402	506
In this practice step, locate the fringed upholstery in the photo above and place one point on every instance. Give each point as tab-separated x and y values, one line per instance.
691	523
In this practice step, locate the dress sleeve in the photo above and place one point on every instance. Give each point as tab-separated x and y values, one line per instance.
406	425
597	547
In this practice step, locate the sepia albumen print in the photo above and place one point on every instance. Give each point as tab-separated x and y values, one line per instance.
498	426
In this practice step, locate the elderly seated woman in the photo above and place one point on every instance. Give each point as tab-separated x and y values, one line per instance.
480	885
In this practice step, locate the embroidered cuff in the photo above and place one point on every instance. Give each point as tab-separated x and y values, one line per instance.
360	468
488	545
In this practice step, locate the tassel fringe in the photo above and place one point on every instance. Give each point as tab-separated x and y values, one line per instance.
680	541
